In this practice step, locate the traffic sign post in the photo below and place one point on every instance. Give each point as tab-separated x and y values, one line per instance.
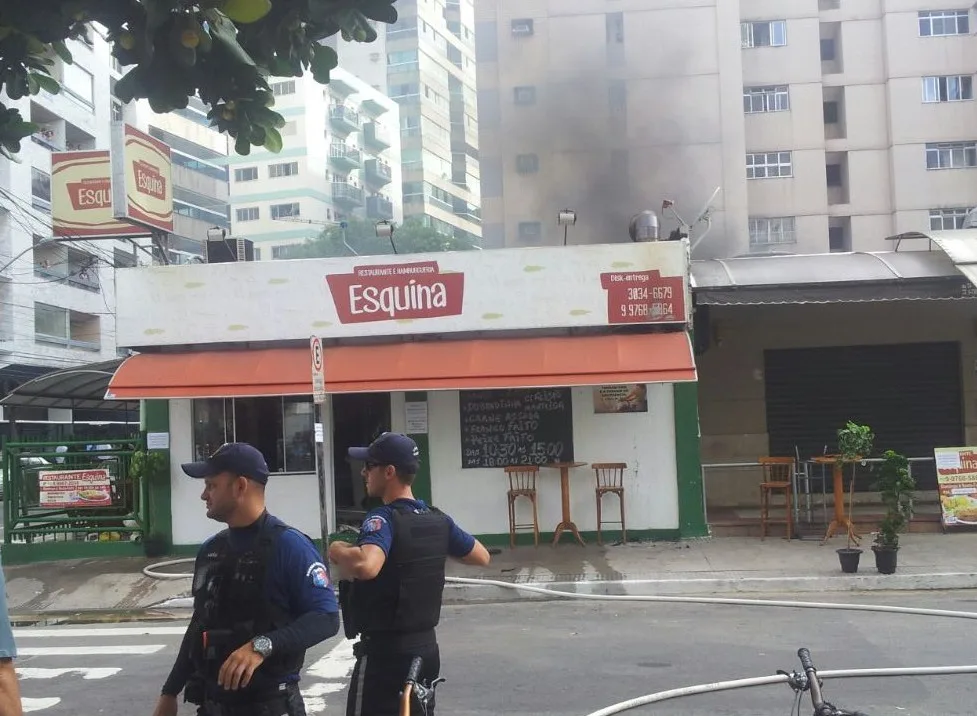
318	377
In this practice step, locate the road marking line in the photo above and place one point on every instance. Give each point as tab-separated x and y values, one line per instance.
32	672
336	664
89	650
107	631
30	705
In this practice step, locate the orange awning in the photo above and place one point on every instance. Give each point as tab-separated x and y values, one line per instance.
510	363
213	374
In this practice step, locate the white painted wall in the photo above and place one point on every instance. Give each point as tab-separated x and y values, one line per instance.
645	441
292	498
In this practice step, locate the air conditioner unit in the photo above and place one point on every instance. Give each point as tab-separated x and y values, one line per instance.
222	251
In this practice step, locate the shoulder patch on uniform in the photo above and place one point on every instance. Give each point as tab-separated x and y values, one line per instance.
373	524
318	574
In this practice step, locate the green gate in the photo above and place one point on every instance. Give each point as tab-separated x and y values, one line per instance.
70	499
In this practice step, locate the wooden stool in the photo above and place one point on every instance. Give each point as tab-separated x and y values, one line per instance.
778	473
610	479
522	483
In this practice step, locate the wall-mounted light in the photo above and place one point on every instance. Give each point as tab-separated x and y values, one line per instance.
566	218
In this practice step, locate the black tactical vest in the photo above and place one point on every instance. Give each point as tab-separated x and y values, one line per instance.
232	605
406	595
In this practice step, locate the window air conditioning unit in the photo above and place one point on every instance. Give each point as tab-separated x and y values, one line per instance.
522	27
225	250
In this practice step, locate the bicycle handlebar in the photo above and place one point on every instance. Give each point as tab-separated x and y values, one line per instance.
805	656
415	670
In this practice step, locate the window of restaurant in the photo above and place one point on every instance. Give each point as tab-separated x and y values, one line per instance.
282	428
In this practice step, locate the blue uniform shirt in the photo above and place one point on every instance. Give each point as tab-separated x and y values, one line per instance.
377	529
8	649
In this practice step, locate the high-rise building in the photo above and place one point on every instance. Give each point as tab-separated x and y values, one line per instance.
341	158
828	125
429	61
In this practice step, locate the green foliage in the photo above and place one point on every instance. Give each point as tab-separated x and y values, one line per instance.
146	464
854	443
412	237
223	51
896	488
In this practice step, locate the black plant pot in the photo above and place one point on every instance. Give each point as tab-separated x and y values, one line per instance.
885	559
849	559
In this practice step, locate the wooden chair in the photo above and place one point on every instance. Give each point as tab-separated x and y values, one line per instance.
610	479
778	474
522	483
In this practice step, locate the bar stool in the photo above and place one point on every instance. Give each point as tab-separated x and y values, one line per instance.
778	475
522	483
610	479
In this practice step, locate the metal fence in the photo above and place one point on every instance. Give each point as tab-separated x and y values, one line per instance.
88	491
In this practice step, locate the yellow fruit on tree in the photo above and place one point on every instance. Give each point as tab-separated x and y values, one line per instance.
127	40
228	114
245	11
189	38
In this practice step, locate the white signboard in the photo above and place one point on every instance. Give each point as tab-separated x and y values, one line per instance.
75	488
416	414
318	377
447	292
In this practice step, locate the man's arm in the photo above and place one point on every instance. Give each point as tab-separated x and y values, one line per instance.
478	556
9	688
367	557
465	548
182	667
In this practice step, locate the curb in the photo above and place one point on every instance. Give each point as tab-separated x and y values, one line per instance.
94	616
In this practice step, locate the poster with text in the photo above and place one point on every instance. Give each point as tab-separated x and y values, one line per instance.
75	488
956	476
631	398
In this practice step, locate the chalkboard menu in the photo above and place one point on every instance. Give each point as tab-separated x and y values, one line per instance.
519	426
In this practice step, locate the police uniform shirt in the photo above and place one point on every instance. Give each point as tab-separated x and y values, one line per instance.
377	529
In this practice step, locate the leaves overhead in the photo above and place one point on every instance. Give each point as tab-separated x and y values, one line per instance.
223	51
411	237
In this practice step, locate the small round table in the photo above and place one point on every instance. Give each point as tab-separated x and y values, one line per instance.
566	523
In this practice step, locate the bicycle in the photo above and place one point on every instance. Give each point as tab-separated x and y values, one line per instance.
809	681
414	688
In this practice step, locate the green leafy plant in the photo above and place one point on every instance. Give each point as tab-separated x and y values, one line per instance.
896	486
410	237
855	442
222	51
146	464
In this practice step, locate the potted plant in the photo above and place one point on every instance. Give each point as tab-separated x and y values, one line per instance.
896	488
855	442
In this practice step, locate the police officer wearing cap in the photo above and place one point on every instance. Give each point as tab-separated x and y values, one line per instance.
393	601
262	597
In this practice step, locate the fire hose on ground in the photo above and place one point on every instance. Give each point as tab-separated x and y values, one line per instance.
150	571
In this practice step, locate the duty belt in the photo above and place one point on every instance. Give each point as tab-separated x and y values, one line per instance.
273	704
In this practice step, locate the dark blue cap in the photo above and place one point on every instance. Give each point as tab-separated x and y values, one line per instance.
237	458
390	449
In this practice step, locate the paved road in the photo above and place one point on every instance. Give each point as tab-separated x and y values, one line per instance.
565	659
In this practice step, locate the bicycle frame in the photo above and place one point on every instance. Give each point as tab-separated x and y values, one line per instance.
809	681
414	688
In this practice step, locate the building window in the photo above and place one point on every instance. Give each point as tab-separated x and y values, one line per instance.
286	169
942	23
248	213
281	211
952	88
614	22
530	232
282	88
524	95
763	34
947	219
833	175
766	99
772	231
79	83
41	187
838	240
951	155
831	112
246	174
527	163
522	27
767	165
72	329
283	429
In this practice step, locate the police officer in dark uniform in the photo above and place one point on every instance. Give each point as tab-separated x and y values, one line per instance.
262	597
393	601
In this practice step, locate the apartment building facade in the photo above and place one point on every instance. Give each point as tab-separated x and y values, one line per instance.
342	158
829	125
429	60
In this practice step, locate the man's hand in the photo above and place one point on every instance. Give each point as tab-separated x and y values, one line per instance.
240	666
166	706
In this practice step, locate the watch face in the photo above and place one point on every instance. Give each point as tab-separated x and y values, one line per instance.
262	645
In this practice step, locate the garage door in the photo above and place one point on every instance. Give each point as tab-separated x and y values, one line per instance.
910	395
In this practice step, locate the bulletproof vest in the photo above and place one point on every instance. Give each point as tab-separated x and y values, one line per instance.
406	595
232	605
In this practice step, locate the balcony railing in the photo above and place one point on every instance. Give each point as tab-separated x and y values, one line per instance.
344	117
344	155
345	193
376	135
378	172
378	207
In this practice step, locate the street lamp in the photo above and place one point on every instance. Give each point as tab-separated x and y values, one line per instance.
385	229
566	218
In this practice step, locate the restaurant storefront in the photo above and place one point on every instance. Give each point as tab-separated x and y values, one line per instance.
534	356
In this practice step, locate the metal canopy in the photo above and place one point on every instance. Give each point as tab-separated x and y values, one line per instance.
961	247
81	387
828	278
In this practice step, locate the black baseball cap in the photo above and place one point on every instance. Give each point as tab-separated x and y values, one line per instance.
238	458
390	449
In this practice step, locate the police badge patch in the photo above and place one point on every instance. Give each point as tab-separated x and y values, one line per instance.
374	524
320	577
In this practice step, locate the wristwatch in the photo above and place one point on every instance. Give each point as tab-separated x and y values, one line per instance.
262	645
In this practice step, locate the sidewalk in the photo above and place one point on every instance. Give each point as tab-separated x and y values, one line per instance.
114	589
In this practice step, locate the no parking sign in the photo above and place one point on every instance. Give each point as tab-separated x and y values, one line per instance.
318	377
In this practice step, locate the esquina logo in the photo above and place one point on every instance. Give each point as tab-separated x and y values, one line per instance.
396	292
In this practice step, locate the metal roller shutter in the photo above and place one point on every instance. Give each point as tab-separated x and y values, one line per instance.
909	394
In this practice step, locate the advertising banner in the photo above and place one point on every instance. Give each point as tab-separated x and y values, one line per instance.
956	477
75	488
142	181
81	197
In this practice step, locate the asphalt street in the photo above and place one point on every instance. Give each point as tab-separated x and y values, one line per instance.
566	659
